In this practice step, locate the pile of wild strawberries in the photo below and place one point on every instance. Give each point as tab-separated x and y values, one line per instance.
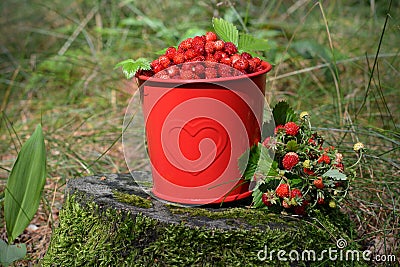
204	53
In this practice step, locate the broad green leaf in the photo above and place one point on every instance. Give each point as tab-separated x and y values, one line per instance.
248	162
265	161
25	185
130	66
335	174
11	253
257	198
283	113
226	30
248	42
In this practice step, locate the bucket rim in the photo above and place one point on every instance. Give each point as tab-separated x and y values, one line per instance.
144	78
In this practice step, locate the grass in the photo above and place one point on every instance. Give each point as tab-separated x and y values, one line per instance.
339	60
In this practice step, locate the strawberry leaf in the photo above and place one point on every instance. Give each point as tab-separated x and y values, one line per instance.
248	42
283	113
335	174
130	66
226	30
265	161
248	162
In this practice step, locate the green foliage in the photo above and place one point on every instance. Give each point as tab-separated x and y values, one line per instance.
335	174
226	30
25	185
283	113
244	41
10	253
130	66
248	161
248	43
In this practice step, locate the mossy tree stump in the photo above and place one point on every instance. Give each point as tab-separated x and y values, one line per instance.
107	220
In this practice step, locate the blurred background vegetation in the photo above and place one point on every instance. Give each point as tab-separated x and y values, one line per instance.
338	60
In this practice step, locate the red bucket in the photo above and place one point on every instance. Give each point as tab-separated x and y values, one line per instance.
196	130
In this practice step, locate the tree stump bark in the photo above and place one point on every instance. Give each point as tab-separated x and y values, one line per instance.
107	220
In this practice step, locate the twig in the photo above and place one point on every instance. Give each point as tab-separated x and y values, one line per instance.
77	31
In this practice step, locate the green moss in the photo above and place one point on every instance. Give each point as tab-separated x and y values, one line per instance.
251	216
132	200
88	236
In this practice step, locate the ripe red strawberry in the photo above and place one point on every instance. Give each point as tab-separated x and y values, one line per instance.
226	61
224	70
241	64
266	199
246	55
186	44
170	52
324	159
210	58
290	160
340	166
198	49
210	36
164	61
179	58
308	171
282	190
230	48
186	75
209	47
265	65
198	69
321	201
187	66
252	66
295	192
157	68
173	71
256	60
291	128
210	73
198	41
318	183
279	128
198	58
189	54
301	210
219	45
154	63
218	55
235	58
148	73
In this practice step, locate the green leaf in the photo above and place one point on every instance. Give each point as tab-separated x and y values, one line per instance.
11	253
130	66
283	113
257	198
25	185
265	161
248	162
226	30
292	145
335	174
248	42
